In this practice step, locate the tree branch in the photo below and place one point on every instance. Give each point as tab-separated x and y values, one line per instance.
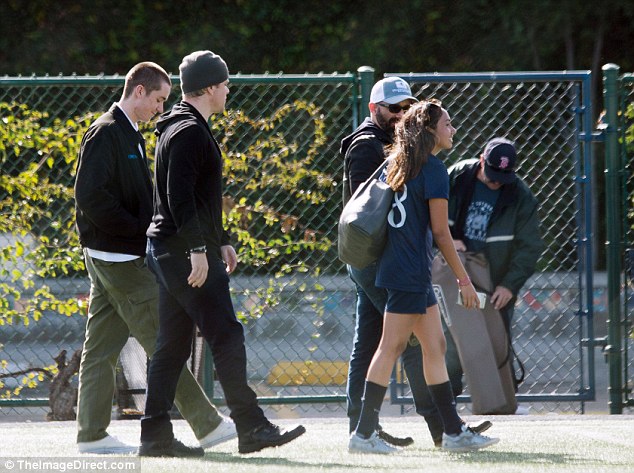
15	374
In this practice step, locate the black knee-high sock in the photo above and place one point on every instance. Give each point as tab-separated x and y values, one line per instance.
372	400
446	405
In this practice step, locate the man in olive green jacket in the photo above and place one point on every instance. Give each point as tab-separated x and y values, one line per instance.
492	210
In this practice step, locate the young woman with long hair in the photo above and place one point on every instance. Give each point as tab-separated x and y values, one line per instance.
418	216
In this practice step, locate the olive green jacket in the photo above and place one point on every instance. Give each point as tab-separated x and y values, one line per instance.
513	242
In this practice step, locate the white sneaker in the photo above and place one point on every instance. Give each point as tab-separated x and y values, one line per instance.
225	431
467	441
522	410
372	445
106	445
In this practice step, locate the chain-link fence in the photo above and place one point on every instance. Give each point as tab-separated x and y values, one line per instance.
547	116
281	137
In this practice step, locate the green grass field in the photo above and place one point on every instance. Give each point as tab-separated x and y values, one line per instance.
535	443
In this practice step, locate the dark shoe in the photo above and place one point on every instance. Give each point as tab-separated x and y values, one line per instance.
267	435
396	441
481	426
169	448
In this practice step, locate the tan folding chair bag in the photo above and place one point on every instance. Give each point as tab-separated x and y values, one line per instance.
480	337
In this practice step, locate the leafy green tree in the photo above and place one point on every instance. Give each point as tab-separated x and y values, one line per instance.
35	212
42	36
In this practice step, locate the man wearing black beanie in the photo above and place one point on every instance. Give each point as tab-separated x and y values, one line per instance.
113	197
190	253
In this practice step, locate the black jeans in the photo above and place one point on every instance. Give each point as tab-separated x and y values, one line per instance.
370	309
181	307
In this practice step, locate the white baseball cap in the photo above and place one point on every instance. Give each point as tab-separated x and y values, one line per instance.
391	90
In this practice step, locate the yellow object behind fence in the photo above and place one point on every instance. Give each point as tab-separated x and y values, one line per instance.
308	373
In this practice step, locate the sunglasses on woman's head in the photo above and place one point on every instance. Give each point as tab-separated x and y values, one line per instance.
394	107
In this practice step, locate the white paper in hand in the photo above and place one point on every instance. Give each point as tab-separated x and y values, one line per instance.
481	296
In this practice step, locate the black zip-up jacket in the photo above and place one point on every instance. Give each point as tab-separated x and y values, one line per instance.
187	183
363	152
113	188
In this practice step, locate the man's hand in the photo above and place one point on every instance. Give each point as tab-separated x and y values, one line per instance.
230	257
459	245
500	297
200	267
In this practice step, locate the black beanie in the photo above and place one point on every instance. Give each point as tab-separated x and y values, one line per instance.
202	69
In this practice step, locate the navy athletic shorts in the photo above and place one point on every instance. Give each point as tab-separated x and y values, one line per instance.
403	302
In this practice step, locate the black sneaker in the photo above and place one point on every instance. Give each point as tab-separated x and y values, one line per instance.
267	435
481	426
169	448
396	441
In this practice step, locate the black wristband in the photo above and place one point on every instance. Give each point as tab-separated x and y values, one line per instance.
200	249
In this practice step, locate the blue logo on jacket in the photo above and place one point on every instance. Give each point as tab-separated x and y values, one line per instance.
133	156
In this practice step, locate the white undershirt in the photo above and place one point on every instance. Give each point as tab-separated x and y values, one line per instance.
111	257
107	255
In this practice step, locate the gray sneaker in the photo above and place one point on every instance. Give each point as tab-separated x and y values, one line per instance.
224	432
467	441
109	445
374	444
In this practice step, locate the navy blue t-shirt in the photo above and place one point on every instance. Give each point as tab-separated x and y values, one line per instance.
406	261
478	216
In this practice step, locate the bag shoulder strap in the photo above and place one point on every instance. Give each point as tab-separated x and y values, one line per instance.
379	170
363	136
375	176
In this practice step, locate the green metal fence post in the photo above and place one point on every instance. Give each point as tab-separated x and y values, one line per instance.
614	235
366	79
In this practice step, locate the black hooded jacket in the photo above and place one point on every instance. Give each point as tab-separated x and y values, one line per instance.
363	152
187	183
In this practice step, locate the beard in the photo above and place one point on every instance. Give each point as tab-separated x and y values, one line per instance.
386	122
